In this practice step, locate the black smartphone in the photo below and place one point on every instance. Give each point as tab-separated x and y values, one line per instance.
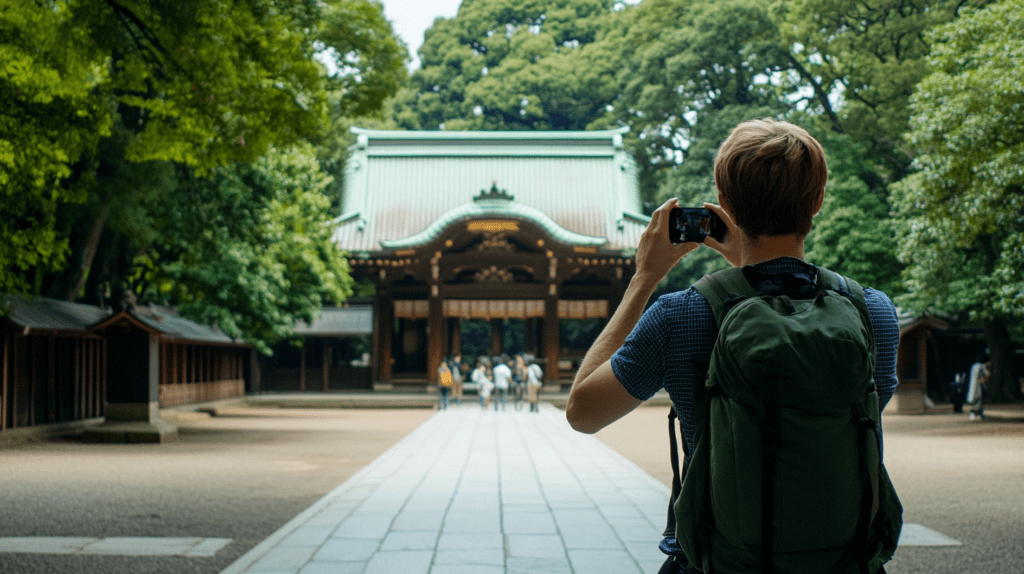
694	224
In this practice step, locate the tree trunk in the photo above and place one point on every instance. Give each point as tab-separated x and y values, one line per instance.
89	252
1002	386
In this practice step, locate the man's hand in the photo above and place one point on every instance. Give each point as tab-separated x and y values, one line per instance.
597	397
731	245
656	255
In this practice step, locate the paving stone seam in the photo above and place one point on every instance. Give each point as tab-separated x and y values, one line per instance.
534	427
462	471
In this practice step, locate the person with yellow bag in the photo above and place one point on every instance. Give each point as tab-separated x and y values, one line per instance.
444	385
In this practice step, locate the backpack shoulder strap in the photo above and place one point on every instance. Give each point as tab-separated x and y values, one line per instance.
851	290
723	289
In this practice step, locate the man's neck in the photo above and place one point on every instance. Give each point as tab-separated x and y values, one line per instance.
768	248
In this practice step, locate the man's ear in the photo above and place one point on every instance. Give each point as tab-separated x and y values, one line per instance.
723	203
820	202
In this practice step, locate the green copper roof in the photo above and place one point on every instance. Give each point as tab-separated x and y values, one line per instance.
402	188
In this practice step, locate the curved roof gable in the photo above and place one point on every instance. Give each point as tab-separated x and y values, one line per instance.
483	207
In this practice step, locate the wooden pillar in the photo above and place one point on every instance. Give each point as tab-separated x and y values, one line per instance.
33	394
16	353
497	342
435	334
132	393
551	335
51	380
385	337
91	368
77	412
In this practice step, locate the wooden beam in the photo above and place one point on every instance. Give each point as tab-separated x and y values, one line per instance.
495	291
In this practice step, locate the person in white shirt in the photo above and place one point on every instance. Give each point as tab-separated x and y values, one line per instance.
483	382
502	378
976	390
534	383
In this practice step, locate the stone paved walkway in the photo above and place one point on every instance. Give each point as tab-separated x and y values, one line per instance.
479	492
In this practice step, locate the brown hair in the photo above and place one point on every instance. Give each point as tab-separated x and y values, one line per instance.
772	175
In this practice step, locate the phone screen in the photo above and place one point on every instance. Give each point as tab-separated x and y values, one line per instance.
694	224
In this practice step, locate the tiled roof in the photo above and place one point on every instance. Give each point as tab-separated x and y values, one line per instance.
908	321
169	324
340	321
44	313
400	183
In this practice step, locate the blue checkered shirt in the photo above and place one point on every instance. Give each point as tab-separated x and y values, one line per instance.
680	326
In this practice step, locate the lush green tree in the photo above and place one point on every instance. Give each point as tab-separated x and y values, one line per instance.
248	249
49	119
498	65
852	234
855	64
690	72
108	96
961	214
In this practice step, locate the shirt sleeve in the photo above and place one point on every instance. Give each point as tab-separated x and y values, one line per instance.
886	328
640	363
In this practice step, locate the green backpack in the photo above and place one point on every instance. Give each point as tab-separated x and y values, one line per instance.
786	474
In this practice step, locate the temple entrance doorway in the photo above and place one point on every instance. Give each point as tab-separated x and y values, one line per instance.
497	336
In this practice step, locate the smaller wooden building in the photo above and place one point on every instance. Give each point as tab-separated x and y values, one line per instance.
334	354
71	364
912	362
54	367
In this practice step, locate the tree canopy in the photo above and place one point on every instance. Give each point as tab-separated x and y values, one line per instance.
122	109
961	213
537	64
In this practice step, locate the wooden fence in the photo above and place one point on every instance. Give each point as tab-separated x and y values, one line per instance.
52	378
194	373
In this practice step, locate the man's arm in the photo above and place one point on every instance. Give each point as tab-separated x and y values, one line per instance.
597	397
885	326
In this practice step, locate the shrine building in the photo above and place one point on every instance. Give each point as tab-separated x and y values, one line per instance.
456	226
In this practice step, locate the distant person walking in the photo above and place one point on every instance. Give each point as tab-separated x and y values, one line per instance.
444	385
455	366
518	380
976	389
534	383
502	380
483	382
